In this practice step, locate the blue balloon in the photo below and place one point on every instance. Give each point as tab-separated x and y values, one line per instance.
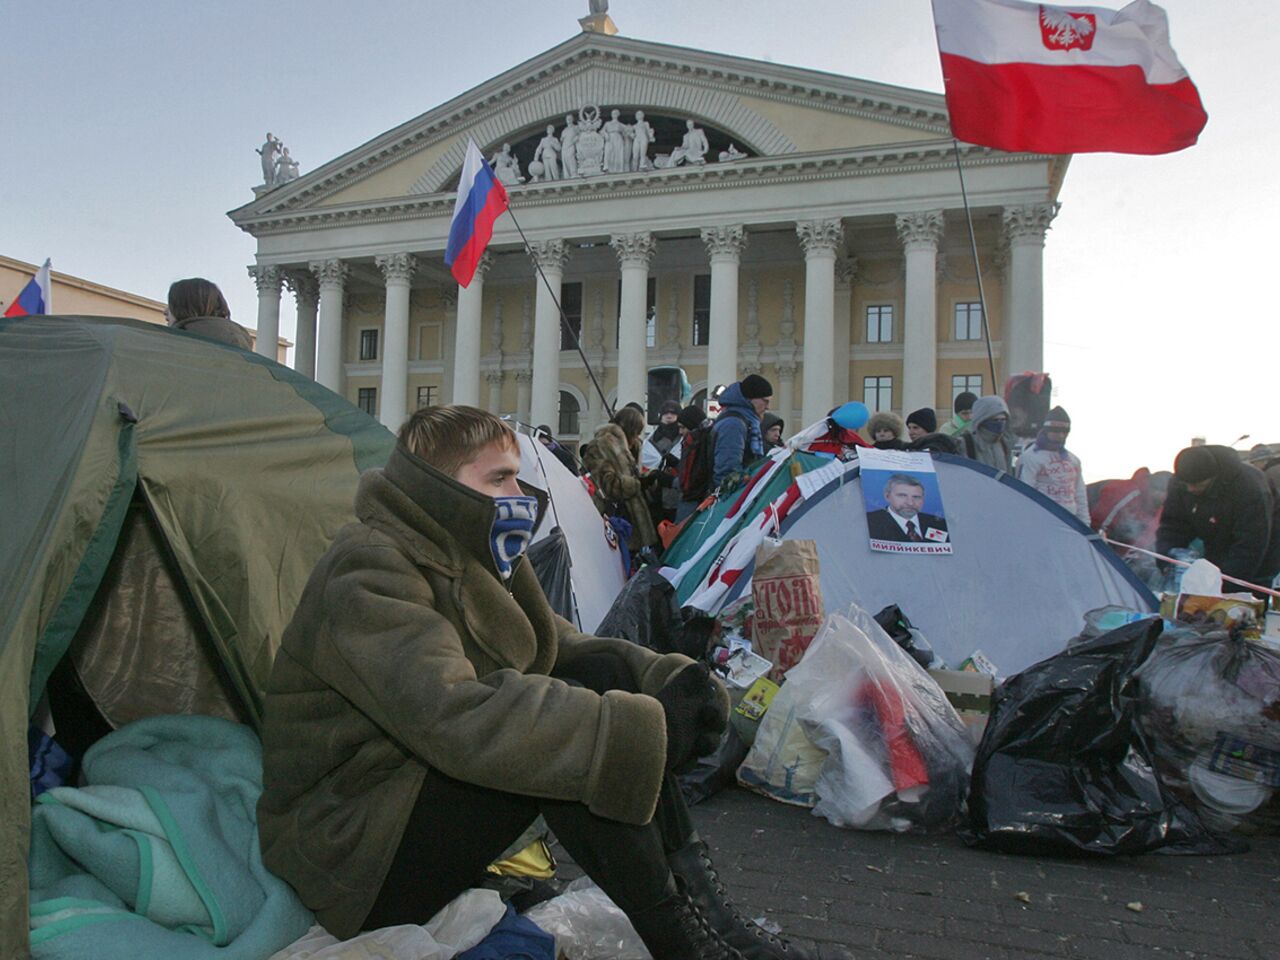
852	415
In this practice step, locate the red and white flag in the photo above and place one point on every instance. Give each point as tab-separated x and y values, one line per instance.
1032	77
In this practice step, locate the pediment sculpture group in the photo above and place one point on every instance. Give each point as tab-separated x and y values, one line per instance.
277	166
588	146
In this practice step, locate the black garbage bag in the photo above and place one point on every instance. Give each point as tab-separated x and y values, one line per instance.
1064	767
716	770
901	631
550	559
647	612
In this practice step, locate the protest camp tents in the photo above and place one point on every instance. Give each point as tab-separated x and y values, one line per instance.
586	559
166	497
1022	575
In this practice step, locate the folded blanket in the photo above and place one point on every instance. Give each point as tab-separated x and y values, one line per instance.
157	855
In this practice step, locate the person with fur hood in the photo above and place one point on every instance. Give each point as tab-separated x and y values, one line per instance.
612	460
987	439
886	431
1048	466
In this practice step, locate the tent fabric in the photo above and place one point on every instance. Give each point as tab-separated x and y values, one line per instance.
550	559
246	468
1023	572
596	571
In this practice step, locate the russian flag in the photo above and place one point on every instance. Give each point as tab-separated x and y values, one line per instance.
481	201
1047	79
35	298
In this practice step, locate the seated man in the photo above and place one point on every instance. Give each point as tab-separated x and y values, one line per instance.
426	706
900	520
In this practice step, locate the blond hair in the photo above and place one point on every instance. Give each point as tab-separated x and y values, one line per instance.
452	436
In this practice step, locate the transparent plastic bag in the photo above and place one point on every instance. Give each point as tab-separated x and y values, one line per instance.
588	925
898	754
1210	705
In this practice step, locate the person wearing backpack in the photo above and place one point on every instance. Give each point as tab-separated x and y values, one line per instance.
693	474
736	436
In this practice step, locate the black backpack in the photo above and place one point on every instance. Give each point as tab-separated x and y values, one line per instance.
697	460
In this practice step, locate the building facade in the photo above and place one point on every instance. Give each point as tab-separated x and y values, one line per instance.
685	208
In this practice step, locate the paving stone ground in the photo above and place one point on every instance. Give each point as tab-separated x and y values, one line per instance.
907	896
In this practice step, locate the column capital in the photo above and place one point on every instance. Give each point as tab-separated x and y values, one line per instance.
396	267
330	273
920	230
550	254
725	243
1028	223
494	376
820	237
786	368
266	278
449	298
846	271
303	285
524	376
634	249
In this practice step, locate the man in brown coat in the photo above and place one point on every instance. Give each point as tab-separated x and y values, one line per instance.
426	706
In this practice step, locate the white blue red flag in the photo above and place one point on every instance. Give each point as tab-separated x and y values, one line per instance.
1047	79
481	201
35	298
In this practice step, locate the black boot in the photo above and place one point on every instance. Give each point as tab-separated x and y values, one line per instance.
673	930
692	865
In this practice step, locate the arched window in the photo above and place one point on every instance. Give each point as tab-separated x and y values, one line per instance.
569	413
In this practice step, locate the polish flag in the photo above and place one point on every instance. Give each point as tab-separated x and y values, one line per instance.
1032	77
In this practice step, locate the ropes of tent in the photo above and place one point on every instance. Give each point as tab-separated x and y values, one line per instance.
1185	563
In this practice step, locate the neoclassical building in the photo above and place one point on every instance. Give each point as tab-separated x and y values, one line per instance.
687	209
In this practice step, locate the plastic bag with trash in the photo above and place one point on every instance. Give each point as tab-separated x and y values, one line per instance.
1064	766
1211	708
588	925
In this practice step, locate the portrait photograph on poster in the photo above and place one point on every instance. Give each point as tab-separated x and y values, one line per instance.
903	501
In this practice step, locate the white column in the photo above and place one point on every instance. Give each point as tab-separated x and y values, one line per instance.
397	271
466	348
306	295
846	270
724	247
494	379
821	240
268	280
332	276
635	251
449	341
785	402
551	256
920	233
1024	322
524	384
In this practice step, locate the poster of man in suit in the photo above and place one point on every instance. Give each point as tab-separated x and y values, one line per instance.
904	505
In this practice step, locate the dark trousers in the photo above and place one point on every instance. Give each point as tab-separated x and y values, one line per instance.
457	829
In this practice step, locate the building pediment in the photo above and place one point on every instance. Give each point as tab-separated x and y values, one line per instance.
766	110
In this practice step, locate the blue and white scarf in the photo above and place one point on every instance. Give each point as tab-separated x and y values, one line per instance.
512	530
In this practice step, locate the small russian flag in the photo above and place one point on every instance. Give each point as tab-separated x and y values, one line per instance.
35	298
481	201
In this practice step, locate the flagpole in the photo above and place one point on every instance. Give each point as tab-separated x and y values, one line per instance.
564	320
977	271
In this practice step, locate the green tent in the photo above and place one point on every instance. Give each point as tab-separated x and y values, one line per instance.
165	499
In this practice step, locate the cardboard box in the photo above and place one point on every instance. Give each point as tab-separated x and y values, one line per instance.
970	693
1236	611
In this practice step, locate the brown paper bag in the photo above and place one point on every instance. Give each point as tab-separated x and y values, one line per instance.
788	601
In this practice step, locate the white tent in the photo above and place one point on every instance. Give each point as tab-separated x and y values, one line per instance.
596	572
1023	572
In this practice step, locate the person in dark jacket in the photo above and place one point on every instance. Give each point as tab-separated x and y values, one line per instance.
771	430
196	305
426	706
885	428
558	450
1227	504
738	440
921	423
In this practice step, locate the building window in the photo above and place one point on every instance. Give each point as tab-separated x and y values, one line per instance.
650	313
880	323
569	415
968	323
966	382
701	309
367	400
428	396
571	304
368	344
877	392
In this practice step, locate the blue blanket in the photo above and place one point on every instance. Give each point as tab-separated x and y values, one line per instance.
157	855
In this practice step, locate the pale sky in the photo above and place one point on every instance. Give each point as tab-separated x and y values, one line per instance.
130	130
